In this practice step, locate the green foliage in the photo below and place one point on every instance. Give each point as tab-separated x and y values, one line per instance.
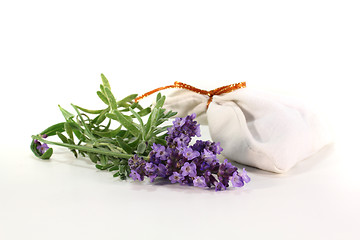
109	136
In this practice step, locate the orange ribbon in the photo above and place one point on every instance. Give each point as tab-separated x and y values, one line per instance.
217	91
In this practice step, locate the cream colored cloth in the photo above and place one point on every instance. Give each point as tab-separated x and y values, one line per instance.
255	128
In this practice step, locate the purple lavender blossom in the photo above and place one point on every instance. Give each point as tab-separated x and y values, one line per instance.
208	156
42	148
176	177
209	178
181	148
215	165
137	164
190	154
179	122
136	176
244	176
160	151
199	181
150	168
182	131
237	180
204	166
182	163
215	148
161	170
182	140
152	178
226	169
219	186
224	180
188	169
200	145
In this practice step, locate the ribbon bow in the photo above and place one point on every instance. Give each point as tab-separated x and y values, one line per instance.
211	93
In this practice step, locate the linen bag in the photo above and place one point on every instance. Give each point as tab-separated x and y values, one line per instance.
255	128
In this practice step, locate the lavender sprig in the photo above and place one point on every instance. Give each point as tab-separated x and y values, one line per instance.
90	132
183	163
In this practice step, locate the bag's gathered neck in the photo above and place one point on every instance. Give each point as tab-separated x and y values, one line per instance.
210	94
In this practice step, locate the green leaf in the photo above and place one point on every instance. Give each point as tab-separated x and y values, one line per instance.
170	114
102	89
124	145
111	116
109	134
161	129
105	81
124	102
87	131
160	141
144	112
141	148
70	141
133	140
122	169
103	160
111	98
51	131
47	154
138	117
78	131
160	102
33	147
62	137
116	174
102	97
109	165
126	123
69	131
158	96
67	115
90	111
150	125
101	117
93	157
114	168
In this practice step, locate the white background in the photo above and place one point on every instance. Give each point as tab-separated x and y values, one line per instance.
53	53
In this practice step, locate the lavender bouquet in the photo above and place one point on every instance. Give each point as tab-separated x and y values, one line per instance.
138	149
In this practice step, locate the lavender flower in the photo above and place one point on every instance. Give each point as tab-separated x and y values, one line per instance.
160	151
219	186
136	176
150	168
188	169
244	176
186	164
199	181
179	122
176	177
182	131
161	170
208	156
215	148
226	169
137	164
182	140
237	180
190	154
42	147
